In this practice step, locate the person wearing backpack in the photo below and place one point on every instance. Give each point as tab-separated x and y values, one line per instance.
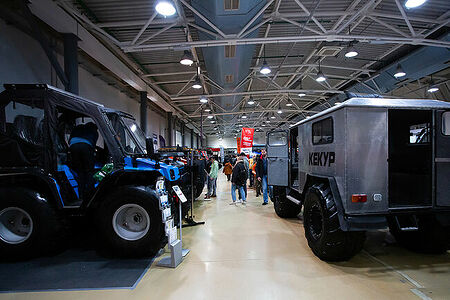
238	180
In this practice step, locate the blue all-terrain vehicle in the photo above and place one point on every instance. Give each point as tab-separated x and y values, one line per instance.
39	189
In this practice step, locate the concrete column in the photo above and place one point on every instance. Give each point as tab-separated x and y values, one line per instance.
143	98
169	129
183	140
71	62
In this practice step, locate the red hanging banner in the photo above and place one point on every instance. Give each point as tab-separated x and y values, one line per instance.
247	137
238	142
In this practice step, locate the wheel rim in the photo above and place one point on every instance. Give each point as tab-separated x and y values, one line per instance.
315	221
131	222
16	225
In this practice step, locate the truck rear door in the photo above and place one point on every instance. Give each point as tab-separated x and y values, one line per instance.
277	154
442	158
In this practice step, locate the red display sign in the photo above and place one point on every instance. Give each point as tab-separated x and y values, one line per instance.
247	137
238	142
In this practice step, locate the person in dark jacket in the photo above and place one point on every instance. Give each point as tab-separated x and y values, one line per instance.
82	141
261	174
238	180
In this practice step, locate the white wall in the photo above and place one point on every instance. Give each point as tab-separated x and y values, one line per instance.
22	60
259	138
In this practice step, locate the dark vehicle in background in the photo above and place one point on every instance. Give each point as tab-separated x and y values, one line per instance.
39	190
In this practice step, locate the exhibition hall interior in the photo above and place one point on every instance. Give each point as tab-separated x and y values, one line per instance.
224	149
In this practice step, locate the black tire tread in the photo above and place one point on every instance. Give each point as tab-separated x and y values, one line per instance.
335	245
283	207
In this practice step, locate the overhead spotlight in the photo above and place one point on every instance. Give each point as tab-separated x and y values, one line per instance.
251	101
414	3
165	8
320	77
203	99
279	109
273	116
433	88
210	116
399	72
187	59
267	120
240	125
244	116
263	125
351	52
289	103
265	69
212	121
207	109
197	84
301	94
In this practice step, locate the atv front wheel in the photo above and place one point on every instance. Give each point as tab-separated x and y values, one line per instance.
129	222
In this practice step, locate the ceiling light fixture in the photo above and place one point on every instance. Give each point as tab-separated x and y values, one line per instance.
187	59
273	116
279	109
399	72
243	116
251	101
207	109
351	52
414	3
320	76
265	69
212	121
289	102
165	8
432	88
301	94
203	99
197	84
210	116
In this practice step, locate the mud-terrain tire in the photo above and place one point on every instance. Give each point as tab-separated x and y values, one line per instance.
322	229
29	225
430	238
283	207
129	223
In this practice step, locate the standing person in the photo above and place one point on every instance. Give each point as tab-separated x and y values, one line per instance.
208	180
256	181
244	158
228	170
261	174
251	162
213	176
238	180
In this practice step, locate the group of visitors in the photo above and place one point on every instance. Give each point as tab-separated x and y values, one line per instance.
242	170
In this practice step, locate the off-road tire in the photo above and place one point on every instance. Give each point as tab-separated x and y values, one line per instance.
111	242
283	207
430	238
45	227
322	229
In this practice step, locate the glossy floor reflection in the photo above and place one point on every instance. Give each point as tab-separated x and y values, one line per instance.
247	252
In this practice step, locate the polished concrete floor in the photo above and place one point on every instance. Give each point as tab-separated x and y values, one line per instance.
250	253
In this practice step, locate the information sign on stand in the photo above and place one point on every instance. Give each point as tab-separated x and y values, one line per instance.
175	245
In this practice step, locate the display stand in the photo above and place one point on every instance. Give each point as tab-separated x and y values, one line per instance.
190	219
177	253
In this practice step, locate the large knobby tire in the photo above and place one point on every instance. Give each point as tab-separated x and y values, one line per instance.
322	229
283	207
431	237
29	226
129	223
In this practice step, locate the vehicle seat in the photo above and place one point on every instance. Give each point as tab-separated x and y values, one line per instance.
71	176
26	128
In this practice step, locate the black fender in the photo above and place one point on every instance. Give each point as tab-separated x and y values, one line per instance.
137	178
36	180
331	181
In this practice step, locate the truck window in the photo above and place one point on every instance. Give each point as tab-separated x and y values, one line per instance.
446	123
419	134
278	138
322	132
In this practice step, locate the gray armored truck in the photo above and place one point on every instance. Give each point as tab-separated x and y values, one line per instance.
366	164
